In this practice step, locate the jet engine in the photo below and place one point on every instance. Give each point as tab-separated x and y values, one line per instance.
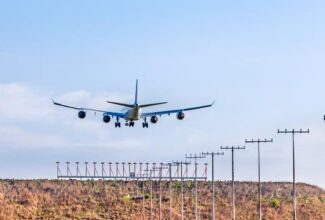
106	118
154	119
81	114
180	115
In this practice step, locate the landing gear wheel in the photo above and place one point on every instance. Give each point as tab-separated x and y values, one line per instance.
117	123
131	124
145	123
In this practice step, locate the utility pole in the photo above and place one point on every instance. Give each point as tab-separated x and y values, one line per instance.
293	132
170	165
160	176
182	185
143	194
258	141
232	148
212	154
149	174
170	191
58	171
195	157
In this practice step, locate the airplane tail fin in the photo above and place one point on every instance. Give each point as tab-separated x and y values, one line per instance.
136	93
135	99
152	104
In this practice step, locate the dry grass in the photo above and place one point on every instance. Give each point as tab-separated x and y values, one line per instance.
51	199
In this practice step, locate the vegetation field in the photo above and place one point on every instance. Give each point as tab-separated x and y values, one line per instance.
73	199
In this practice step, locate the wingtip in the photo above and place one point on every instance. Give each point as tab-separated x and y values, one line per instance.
54	102
213	103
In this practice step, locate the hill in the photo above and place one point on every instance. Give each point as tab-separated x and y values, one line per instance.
72	199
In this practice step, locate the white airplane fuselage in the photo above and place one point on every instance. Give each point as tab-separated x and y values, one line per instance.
133	114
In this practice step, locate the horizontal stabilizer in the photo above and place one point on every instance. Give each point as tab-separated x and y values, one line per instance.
152	104
122	104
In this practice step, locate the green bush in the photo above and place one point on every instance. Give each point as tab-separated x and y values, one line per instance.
147	195
126	198
275	203
177	185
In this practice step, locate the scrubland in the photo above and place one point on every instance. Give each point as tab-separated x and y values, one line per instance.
73	199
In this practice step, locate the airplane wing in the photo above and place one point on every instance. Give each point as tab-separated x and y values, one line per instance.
168	112
116	114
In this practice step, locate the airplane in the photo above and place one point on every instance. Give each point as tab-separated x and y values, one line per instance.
133	112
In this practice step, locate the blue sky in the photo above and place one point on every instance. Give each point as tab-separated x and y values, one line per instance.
262	62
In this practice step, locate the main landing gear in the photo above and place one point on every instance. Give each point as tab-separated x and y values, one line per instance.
130	124
145	123
117	123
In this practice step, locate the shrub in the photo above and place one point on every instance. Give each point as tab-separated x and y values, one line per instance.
275	203
126	198
147	195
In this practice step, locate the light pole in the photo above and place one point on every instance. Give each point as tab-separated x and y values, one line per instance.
293	132
258	141
212	154
160	176
195	157
170	191
150	179
233	176
182	185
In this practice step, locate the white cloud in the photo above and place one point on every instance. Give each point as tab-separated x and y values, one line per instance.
30	120
16	137
19	102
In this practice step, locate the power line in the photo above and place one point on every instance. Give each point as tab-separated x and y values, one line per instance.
258	141
293	132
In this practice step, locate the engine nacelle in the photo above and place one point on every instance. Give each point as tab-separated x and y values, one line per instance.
82	114
106	118
154	119
180	115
